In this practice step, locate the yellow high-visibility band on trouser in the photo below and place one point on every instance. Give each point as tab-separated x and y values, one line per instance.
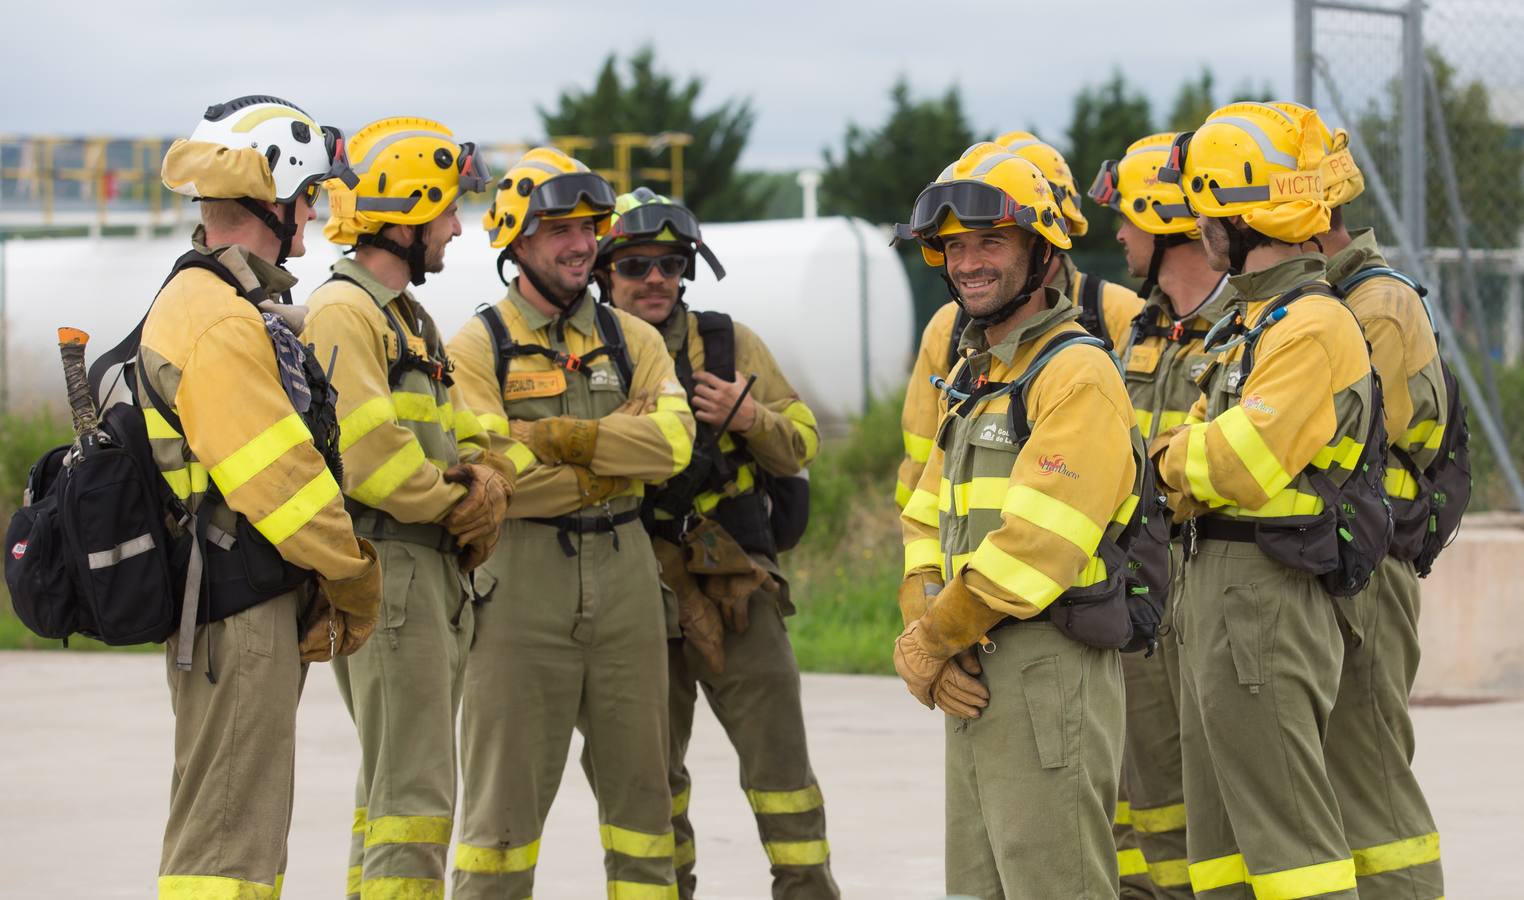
1169	873
1211	874
1131	862
684	856
352	881
407	830
1159	819
212	887
1123	815
1403	854
497	860
680	802
393	887
639	890
638	844
1305	881
798	853
766	803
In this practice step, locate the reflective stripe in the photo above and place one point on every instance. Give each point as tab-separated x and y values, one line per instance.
984	492
1131	862
390	887
257	455
1429	434
497	861
765	803
384	480
1197	473
1051	514
680	802
1210	874
944	496
521	456
1125	511
359	820
493	423
636	843
922	507
289	517
414	407
212	887
746	480
637	890
916	447
467	426
1266	146
364	419
1145	420
1169	873
1159	819
157	426
1401	484
1343	454
676	435
1289	502
1252	451
1402	854
102	559
352	881
1305	881
1014	576
1172	418
798	853
901	494
922	553
684	856
1123	815
802	417
407	830
1093	573
190	480
672	403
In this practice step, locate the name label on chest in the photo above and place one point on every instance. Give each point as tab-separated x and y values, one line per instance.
529	385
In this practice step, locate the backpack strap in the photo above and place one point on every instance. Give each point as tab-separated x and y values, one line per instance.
395	368
718	332
1049	352
959	325
612	335
1274	314
502	342
1345	287
1091	318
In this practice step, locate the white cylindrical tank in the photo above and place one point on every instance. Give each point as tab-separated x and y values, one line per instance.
828	296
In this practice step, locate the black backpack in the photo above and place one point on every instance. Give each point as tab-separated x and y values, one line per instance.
1427	524
1344	543
1124	611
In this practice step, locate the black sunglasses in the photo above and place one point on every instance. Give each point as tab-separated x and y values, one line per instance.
672	265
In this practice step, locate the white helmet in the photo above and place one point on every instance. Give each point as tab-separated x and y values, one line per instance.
299	152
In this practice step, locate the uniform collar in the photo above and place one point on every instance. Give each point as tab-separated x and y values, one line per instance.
383	295
1362	253
1210	310
675	331
581	317
1266	284
250	270
1066	276
1059	310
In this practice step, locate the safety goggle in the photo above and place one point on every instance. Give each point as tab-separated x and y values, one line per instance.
475	175
1173	170
976	204
1104	189
338	163
649	220
672	265
561	194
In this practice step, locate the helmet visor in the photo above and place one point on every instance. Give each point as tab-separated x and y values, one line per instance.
561	194
649	220
338	159
1173	170
475	176
1104	191
976	204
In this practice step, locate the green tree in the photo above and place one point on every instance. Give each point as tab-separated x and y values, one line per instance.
1106	119
1193	103
880	171
650	101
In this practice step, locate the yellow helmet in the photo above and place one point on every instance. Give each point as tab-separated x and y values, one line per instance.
988	187
1131	186
1255	161
409	171
546	184
1054	168
1342	179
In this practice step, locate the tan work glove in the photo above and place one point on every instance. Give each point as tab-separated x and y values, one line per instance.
730	576
916	593
732	594
558	439
479	515
696	614
597	488
952	624
344	613
958	691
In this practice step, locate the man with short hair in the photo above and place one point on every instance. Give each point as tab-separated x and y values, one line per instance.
714	528
241	431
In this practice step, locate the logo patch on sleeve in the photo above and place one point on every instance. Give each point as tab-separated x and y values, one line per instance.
1054	465
1256	402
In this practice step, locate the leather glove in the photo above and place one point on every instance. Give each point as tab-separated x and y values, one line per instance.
353	606
958	691
696	613
954	621
597	488
558	439
732	594
916	593
479	515
474	554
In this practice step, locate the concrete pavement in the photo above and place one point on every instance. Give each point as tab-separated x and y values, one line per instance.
85	764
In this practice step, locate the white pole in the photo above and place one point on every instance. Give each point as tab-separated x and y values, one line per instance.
809	182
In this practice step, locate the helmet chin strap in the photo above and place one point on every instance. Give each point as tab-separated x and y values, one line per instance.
284	226
1162	242
1037	273
564	304
413	254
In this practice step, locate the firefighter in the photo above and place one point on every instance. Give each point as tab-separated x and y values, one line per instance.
417	488
242	427
715	535
583	401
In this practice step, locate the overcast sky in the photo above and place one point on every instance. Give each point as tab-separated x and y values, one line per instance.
152	66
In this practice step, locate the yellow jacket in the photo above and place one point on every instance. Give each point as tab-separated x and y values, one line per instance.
205	350
1161	370
647	449
923	403
396	442
1404	353
1022	522
1306	403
